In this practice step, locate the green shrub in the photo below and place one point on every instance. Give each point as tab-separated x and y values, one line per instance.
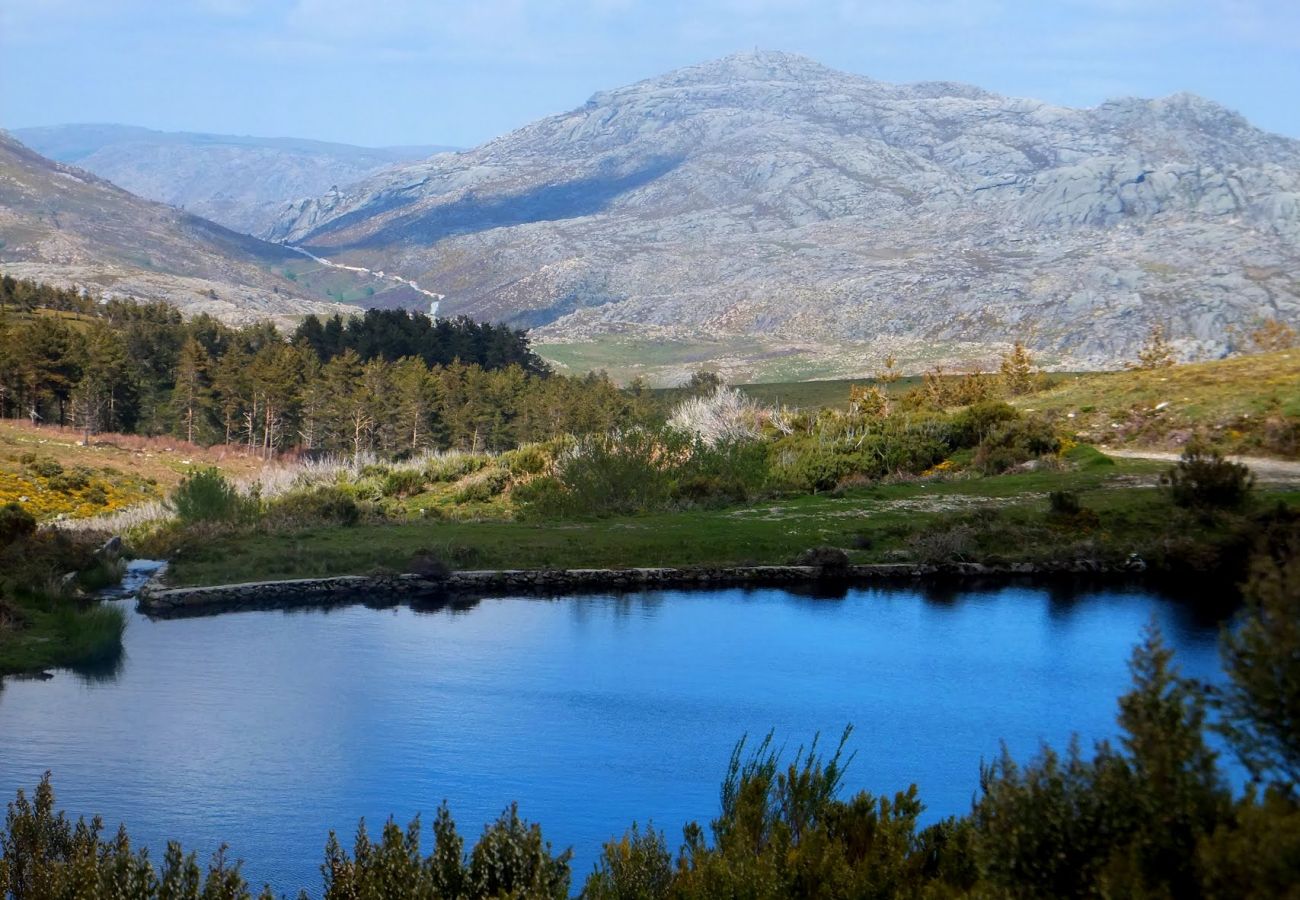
1011	443
542	498
67	482
638	865
97	495
532	459
15	523
454	467
45	467
1203	478
974	423
326	504
1063	503
204	495
402	483
482	487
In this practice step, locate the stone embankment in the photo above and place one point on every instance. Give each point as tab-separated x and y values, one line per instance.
159	601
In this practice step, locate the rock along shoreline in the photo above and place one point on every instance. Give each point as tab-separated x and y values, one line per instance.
158	601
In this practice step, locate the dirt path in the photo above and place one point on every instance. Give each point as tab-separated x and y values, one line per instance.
1269	471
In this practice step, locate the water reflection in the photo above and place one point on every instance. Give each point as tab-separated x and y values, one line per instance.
266	729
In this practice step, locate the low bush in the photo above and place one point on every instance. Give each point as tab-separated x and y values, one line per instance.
974	423
532	459
542	497
67	482
483	486
44	467
1014	442
1063	503
454	467
205	495
1202	478
15	523
430	565
324	505
402	483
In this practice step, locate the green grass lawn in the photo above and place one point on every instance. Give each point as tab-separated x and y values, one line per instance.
988	518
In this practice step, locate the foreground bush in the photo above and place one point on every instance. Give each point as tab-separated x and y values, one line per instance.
645	469
1203	478
205	495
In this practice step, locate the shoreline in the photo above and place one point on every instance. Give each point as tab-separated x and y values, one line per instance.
156	601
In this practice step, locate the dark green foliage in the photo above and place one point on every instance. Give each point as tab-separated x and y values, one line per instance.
831	452
67	482
645	469
323	505
1014	442
1261	654
1120	824
1202	478
483	486
1063	503
387	382
638	866
511	859
974	423
392	334
532	459
454	467
1255	853
45	856
403	483
16	523
45	467
204	495
429	565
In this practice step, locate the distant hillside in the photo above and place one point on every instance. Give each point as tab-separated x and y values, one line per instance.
64	226
789	220
239	182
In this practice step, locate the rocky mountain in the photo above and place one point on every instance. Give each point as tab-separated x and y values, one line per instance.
239	182
765	209
65	226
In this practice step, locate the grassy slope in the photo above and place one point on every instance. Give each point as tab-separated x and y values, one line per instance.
128	469
882	523
1231	398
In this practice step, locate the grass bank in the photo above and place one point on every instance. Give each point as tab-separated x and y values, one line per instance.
1003	518
56	633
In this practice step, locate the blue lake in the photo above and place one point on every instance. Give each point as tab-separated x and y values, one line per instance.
266	729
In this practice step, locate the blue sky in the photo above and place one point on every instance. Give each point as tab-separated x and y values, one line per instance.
428	71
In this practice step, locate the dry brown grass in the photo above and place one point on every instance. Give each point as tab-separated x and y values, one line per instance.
163	459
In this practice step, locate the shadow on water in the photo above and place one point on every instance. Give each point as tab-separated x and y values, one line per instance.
103	669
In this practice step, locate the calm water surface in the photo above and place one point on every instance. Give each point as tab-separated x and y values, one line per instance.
266	729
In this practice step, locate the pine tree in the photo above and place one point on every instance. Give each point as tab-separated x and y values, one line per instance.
1156	352
1261	704
1017	370
192	395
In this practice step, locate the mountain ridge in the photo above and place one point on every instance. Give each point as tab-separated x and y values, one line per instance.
767	196
239	181
69	227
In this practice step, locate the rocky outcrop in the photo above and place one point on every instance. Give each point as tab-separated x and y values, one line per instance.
764	197
162	602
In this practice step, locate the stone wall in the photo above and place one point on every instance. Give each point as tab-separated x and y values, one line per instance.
156	600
